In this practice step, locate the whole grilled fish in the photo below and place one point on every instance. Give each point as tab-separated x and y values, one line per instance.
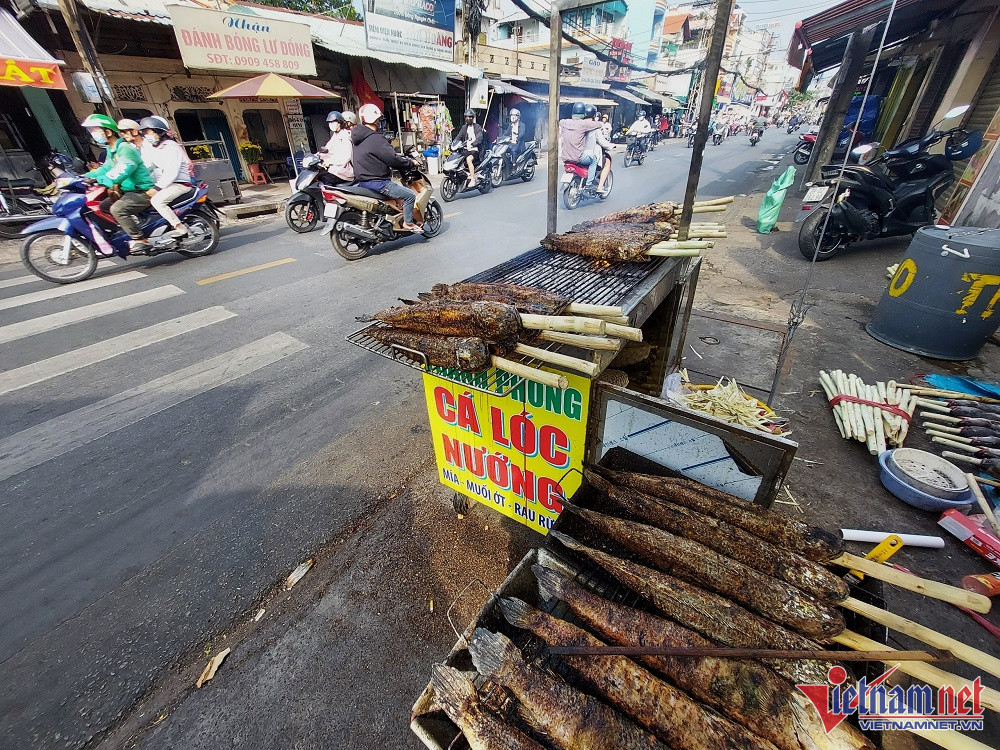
573	720
663	709
696	563
488	320
711	615
727	539
536	300
483	729
744	690
465	353
651	212
812	542
609	242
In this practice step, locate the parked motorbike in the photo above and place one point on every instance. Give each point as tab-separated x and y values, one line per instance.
456	174
505	168
635	149
304	209
358	219
804	148
575	178
755	136
890	196
66	246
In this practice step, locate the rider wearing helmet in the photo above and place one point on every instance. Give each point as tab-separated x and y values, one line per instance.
350	119
339	150
124	174
373	160
129	130
599	146
516	134
171	167
470	136
573	138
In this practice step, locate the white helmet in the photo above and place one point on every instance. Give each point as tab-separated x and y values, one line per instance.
369	113
515	112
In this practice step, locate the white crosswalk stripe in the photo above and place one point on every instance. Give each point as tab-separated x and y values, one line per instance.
19	280
52	367
56	437
63	291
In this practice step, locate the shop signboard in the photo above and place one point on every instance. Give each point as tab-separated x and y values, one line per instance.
621	52
592	70
217	40
417	29
39	75
519	453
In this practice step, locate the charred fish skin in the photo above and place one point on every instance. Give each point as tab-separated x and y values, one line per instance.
711	615
646	214
698	564
483	729
608	242
812	542
727	539
664	710
536	300
488	320
744	690
465	353
573	720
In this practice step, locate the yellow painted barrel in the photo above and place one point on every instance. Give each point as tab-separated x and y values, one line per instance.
942	301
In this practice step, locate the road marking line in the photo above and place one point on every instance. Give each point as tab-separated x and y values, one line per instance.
62	291
45	323
452	214
34	446
61	364
252	269
18	280
662	158
533	192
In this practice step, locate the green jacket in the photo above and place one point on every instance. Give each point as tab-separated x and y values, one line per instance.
123	167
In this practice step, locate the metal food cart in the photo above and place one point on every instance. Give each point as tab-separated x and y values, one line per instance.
217	173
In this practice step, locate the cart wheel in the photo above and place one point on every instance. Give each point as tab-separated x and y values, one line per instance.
461	503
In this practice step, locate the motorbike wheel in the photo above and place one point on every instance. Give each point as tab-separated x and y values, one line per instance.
800	157
433	219
301	217
448	190
628	158
486	185
36	255
833	242
608	184
496	175
528	174
203	236
348	247
571	195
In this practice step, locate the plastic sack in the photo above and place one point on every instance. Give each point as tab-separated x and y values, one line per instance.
767	217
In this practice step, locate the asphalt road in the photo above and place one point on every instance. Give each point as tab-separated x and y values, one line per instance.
158	462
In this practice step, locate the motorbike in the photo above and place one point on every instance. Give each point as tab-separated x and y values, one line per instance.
619	135
65	247
690	135
304	210
718	136
889	196
635	149
792	128
358	219
755	136
804	148
456	174
505	168
575	178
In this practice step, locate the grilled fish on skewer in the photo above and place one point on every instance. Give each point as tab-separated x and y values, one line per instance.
710	614
646	214
727	539
465	353
743	689
661	708
812	542
609	242
489	320
483	729
572	719
517	295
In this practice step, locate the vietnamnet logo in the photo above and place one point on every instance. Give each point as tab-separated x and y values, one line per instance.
881	707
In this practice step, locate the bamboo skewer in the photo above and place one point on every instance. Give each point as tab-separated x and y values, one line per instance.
942	430
741	653
539	376
987	510
594	311
557	359
623	332
657	252
621	320
562	323
940	393
924	672
716	201
933	589
933	638
933	405
706	209
954	444
948	435
937	417
583	342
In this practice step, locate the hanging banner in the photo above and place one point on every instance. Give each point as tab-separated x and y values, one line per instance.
39	75
519	454
216	40
621	51
408	27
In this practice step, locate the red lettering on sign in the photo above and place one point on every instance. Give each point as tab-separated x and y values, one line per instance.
444	402
552	445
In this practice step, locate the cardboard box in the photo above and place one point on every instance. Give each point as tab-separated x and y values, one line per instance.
970	531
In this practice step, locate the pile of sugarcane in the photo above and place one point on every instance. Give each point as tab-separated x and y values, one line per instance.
635	233
877	415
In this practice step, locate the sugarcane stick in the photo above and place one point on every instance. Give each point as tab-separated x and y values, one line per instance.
623	332
828	389
987	510
879	428
716	201
539	376
686	245
949	436
933	405
934	589
942	429
562	323
941	393
911	406
949	739
857	424
707	209
594	311
938	417
621	320
701	234
953	444
988	465
583	342
924	672
888	419
560	360
924	634
655	252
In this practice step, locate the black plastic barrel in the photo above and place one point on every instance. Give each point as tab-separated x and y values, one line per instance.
942	301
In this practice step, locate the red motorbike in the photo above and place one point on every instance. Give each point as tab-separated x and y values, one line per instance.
573	181
804	148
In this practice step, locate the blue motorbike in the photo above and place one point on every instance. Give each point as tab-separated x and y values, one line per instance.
65	247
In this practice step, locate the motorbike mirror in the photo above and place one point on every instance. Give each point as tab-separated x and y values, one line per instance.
955	112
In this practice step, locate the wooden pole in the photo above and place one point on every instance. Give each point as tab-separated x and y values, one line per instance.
88	54
555	52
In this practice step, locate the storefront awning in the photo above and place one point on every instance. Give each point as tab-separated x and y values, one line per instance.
651	97
25	62
627	96
502	87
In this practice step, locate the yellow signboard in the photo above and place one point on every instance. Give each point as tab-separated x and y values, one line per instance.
513	453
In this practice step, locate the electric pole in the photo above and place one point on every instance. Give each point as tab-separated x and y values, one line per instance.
88	54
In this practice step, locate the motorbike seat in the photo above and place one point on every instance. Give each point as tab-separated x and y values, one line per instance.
19	183
358	190
184	197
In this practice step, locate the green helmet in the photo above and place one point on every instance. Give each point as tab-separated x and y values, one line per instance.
100	121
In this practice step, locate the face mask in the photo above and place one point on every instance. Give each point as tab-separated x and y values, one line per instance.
99	138
333	127
151	138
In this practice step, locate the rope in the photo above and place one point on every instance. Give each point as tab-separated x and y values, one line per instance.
877	404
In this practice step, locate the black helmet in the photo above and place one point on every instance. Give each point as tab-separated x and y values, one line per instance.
590	111
334	116
579	108
470	113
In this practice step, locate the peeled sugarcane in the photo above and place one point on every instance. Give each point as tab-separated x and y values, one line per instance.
601	343
877	424
988	424
657	252
716	201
